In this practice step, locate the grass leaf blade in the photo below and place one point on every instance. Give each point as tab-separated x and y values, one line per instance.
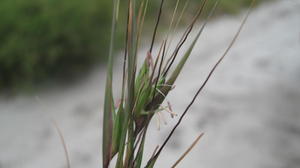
108	102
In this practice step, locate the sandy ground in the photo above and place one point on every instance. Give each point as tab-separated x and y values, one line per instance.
250	110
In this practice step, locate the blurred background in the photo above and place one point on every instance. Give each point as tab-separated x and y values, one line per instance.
43	41
52	67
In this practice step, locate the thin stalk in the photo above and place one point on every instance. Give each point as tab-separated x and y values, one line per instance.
188	150
156	25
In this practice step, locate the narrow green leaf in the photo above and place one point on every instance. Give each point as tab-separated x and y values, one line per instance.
117	131
143	74
131	57
108	102
140	152
128	61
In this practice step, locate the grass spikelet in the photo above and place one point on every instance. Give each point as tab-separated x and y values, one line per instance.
145	88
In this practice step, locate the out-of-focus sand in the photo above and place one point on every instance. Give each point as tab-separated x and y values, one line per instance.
250	109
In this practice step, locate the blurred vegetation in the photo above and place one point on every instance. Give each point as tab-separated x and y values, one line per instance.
233	6
42	39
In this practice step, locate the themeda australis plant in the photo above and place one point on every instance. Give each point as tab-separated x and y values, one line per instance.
144	89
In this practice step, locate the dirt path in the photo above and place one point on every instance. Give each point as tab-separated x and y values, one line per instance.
250	110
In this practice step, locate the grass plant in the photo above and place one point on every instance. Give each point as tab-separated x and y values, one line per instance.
145	88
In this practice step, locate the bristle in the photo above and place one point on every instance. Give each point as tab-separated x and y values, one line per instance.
62	139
